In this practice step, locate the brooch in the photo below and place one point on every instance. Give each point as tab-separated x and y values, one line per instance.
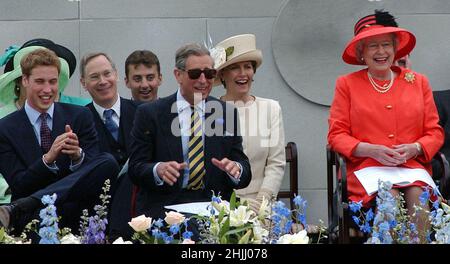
410	77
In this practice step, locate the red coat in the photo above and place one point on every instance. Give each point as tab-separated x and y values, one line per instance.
404	114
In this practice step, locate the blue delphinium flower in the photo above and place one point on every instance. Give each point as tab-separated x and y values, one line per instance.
93	232
424	197
187	234
355	206
49	221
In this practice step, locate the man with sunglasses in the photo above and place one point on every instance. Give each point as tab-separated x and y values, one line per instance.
175	158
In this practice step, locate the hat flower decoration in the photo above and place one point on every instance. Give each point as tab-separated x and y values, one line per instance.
220	54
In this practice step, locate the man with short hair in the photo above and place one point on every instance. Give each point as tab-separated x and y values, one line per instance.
49	147
113	116
175	157
143	75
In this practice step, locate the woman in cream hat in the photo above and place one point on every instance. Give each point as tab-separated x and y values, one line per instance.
236	59
383	118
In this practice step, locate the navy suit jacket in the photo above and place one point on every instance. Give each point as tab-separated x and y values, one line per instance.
153	141
121	149
21	155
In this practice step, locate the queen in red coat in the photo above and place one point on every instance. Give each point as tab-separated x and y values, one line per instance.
384	116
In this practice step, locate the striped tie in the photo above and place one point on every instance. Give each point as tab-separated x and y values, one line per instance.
195	155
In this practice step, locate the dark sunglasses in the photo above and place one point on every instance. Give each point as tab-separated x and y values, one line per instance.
194	74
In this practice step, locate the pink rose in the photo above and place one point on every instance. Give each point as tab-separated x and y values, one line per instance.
174	218
141	223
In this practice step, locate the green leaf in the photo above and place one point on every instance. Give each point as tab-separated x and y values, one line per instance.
229	51
233	201
246	237
238	230
225	227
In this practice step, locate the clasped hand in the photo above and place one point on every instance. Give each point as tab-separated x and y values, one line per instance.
169	171
394	156
66	143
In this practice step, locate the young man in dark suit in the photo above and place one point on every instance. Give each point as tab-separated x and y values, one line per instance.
113	117
173	161
48	147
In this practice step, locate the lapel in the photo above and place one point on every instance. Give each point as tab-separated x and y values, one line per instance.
59	122
166	115
212	143
126	121
27	139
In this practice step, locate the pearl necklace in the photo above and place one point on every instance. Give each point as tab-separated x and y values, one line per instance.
381	89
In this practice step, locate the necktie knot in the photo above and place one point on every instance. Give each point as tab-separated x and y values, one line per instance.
43	117
110	124
108	113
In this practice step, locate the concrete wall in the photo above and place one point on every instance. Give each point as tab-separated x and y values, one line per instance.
301	41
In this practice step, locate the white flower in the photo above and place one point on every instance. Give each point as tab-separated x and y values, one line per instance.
121	241
141	223
70	239
174	218
259	232
298	238
188	241
219	55
264	210
240	216
222	205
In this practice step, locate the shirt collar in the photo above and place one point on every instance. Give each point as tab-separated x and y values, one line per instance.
33	114
182	104
115	107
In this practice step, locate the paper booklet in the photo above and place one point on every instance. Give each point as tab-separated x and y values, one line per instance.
370	176
198	208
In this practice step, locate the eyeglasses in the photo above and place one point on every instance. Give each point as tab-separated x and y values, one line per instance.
194	74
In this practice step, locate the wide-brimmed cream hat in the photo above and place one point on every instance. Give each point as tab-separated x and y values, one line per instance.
235	49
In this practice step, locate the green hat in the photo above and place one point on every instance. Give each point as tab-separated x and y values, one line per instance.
8	79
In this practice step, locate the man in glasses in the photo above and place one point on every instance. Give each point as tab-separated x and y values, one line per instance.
113	117
173	157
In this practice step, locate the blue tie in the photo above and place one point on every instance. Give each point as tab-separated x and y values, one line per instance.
110	124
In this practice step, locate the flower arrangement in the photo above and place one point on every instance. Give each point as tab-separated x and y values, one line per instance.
176	222
391	224
229	223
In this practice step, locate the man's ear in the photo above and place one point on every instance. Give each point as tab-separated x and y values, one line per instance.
83	83
25	80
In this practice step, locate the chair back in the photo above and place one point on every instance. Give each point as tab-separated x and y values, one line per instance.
292	165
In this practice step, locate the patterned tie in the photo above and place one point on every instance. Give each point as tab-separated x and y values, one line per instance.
110	124
196	155
46	137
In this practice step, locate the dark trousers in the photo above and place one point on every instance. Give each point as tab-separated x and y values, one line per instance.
77	191
120	213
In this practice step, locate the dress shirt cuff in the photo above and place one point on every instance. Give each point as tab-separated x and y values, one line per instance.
52	166
74	167
236	180
158	180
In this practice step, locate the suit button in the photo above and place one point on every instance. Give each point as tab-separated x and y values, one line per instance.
388	107
119	150
391	136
